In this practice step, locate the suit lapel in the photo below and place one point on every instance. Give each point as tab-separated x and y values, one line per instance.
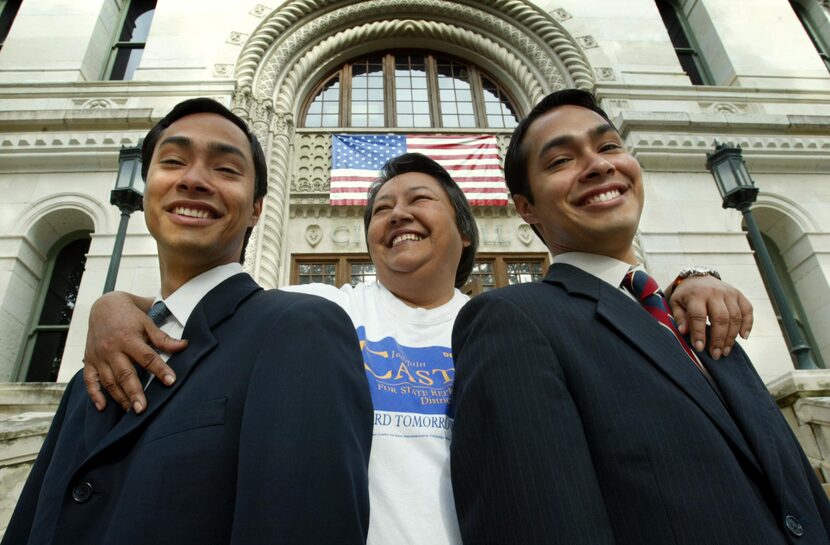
215	307
638	328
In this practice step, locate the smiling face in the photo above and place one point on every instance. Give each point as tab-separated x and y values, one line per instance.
587	189
199	198
413	237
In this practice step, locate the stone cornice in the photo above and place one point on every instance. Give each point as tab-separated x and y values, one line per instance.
51	151
674	141
709	93
130	89
88	119
724	122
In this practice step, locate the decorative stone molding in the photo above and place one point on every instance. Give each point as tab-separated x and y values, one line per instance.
750	144
525	234
312	152
236	38
222	70
604	73
97	212
724	107
795	211
259	10
319	208
313	235
561	14
526	23
416	29
288	49
764	153
615	105
587	42
76	141
97	104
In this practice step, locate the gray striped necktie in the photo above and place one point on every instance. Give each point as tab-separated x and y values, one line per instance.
159	313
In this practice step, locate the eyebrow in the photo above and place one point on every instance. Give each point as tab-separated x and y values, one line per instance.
409	190
567	139
219	148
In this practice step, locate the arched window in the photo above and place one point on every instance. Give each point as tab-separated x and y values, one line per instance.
58	294
684	43
127	51
811	26
792	297
409	90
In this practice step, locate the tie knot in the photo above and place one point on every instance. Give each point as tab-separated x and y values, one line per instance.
640	284
159	313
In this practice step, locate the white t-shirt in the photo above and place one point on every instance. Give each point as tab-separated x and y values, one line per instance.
410	370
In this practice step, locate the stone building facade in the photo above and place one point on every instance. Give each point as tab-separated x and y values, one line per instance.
81	79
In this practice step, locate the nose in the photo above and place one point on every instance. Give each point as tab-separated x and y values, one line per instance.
598	167
400	213
196	179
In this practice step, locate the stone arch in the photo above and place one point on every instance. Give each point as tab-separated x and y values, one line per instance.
49	219
789	227
40	233
523	46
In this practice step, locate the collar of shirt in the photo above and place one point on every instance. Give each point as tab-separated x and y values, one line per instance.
182	301
607	269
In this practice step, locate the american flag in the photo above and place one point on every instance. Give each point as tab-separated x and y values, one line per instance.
471	159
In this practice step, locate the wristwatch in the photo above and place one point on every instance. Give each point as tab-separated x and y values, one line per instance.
697	271
692	271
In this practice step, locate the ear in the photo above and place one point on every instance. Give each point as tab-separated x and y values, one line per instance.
257	212
465	242
525	209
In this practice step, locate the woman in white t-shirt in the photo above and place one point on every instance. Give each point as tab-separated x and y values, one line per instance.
422	238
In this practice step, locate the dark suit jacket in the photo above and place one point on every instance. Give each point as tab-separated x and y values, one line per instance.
264	438
580	420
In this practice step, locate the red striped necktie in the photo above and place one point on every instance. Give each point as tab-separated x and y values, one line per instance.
645	289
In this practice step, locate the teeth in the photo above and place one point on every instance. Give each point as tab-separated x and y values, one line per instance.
602	197
191	213
406	236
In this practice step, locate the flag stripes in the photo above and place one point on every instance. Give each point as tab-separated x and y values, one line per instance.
472	160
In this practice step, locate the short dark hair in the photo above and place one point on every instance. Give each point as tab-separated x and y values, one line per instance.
204	105
515	161
464	220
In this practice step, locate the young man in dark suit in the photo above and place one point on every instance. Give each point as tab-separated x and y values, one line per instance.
583	417
265	436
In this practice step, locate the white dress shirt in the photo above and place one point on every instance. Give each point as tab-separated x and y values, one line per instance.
607	269
182	301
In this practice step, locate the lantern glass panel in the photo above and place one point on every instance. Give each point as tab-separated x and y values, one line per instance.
725	176
126	171
741	173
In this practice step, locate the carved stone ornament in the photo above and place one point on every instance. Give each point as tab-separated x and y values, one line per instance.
604	73
97	104
519	24
525	234
236	38
223	70
725	107
313	235
616	103
561	14
259	10
587	42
